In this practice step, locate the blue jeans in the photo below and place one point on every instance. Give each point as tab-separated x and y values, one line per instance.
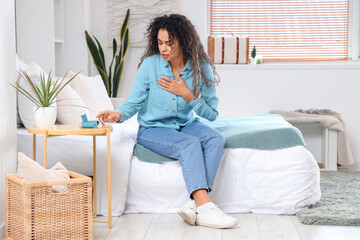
197	146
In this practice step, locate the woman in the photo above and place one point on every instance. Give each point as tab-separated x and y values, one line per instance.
175	78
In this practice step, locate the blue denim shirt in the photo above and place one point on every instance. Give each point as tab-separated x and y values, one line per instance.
157	107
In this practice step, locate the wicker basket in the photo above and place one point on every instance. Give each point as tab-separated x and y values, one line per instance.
33	211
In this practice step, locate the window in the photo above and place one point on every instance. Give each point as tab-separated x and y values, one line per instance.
286	30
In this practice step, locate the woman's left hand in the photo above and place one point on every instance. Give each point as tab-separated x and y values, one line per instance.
177	87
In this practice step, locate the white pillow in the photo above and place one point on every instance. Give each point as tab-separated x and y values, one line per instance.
32	171
25	106
19	65
67	114
93	92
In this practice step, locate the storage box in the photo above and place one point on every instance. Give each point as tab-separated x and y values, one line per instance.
231	49
33	211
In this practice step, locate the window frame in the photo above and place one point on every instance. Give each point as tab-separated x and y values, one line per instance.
353	37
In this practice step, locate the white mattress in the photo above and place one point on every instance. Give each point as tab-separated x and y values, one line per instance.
278	182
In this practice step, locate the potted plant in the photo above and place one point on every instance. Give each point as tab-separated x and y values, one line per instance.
253	55
111	76
43	96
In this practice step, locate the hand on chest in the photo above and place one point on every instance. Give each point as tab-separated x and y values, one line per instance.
167	94
173	78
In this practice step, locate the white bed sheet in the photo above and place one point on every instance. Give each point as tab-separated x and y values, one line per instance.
277	182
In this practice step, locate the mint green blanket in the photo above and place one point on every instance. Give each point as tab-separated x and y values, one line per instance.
262	132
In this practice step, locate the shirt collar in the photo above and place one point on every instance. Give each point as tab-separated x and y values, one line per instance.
187	65
163	62
167	64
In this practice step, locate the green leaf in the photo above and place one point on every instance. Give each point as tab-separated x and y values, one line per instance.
99	60
56	88
38	94
48	88
101	54
105	80
125	43
116	74
110	80
124	24
98	57
34	88
112	61
117	78
93	50
119	57
62	85
25	93
43	95
114	47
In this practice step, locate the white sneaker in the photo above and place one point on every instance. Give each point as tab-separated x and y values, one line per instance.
188	212
215	218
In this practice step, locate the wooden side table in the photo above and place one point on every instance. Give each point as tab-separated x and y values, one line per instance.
63	130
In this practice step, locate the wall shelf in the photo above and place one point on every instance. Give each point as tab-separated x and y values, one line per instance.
58	40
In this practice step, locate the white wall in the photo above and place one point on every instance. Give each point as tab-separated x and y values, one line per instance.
76	20
246	89
57	47
37	42
251	90
7	101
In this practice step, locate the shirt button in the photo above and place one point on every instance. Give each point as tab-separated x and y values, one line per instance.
174	98
174	122
174	111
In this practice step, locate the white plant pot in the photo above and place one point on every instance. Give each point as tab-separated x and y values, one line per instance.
253	61
117	102
45	117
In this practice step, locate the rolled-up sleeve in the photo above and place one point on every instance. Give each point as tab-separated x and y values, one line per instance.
138	94
206	105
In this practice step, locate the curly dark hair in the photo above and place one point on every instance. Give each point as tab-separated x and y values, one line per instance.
179	27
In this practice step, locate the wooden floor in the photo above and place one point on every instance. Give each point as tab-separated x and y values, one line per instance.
252	226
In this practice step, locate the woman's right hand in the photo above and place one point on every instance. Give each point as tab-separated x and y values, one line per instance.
108	116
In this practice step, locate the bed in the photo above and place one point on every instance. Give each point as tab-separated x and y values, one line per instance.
281	181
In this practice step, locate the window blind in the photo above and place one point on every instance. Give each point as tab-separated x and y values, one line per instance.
286	30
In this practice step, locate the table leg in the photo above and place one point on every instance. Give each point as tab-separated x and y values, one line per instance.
109	178
45	149
34	147
94	174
